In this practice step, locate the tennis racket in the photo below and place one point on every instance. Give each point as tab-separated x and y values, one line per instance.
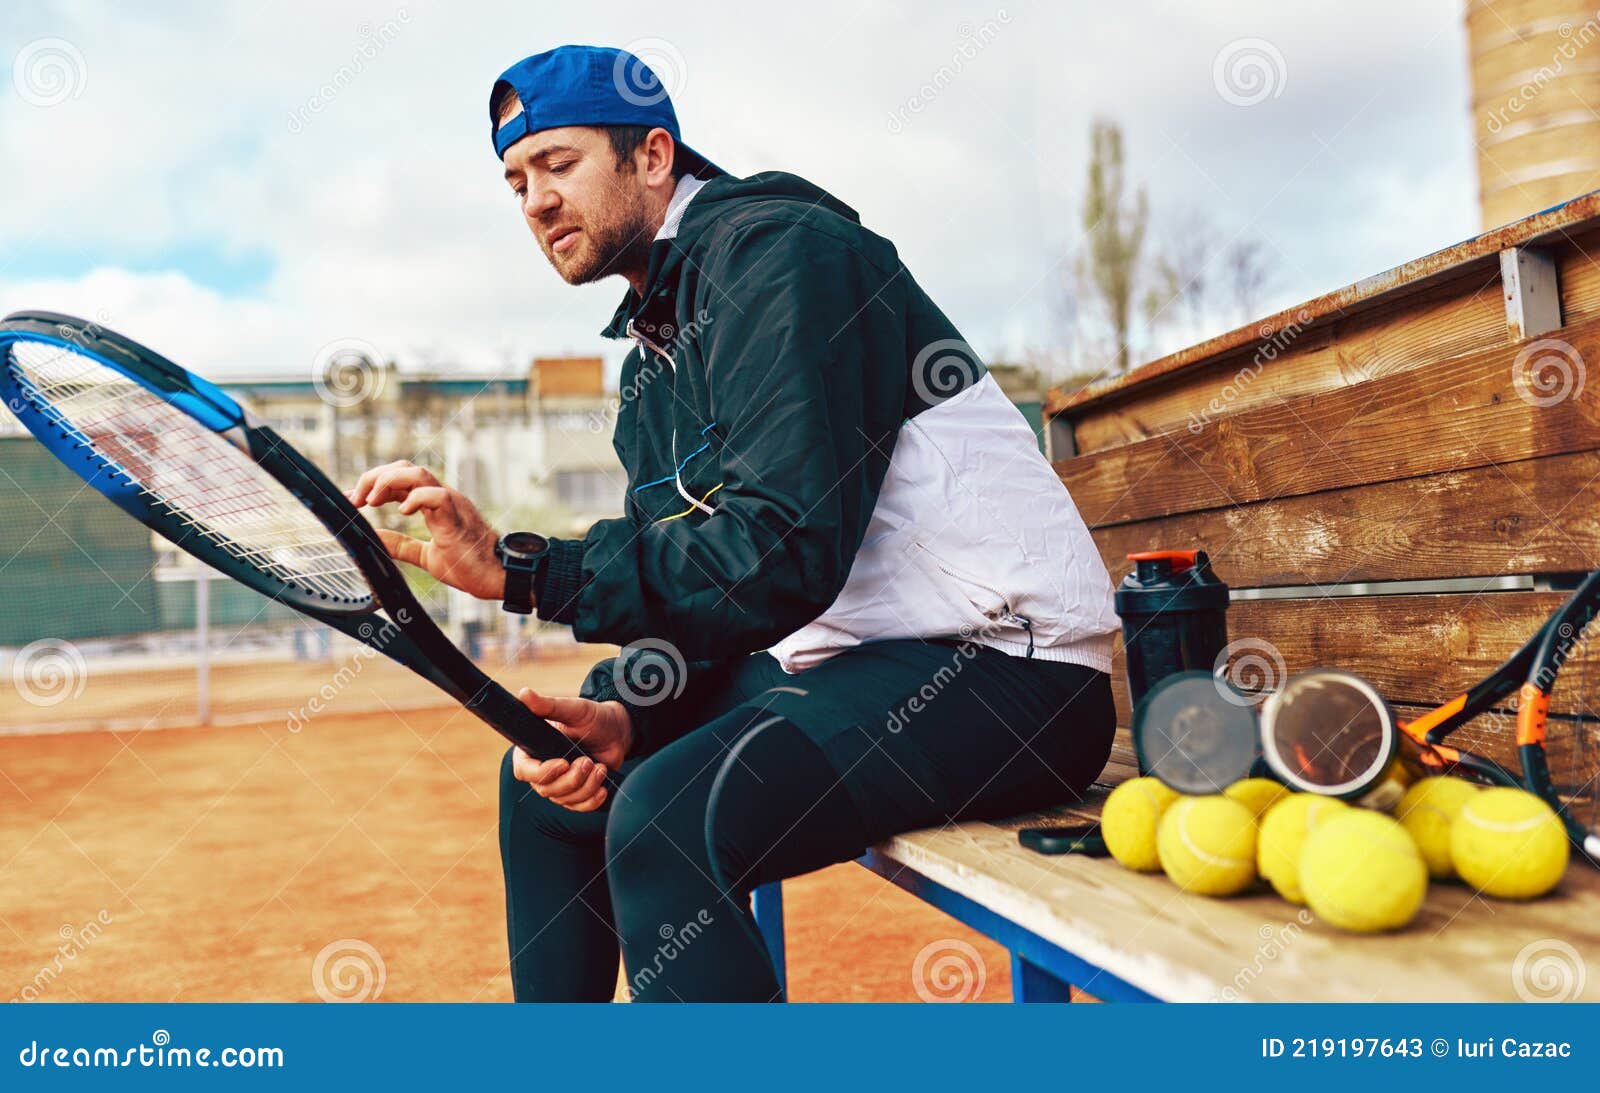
187	461
1331	732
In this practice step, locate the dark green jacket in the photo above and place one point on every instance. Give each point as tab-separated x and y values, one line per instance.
782	351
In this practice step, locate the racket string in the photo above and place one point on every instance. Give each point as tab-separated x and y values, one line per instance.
194	475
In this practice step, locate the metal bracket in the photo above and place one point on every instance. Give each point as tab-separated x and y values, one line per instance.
1533	302
1059	442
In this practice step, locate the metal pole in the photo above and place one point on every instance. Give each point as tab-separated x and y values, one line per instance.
202	631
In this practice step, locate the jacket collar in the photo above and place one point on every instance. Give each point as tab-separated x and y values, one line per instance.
665	255
688	186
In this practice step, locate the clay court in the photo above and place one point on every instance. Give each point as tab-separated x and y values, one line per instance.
198	864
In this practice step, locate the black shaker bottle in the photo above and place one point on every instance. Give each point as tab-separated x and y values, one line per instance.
1174	617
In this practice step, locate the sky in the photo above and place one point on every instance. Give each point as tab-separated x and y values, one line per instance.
240	185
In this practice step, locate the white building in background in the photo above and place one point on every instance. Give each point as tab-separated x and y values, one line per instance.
532	450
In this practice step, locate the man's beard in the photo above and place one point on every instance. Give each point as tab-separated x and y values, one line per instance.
619	245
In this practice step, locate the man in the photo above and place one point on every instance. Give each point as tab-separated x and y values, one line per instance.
854	599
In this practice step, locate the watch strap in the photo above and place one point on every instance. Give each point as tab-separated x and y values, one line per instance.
519	586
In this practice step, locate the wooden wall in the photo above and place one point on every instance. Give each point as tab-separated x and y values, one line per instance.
1387	434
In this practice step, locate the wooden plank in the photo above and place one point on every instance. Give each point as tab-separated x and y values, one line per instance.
1415	649
1143	930
1578	275
1421	650
1568	220
1458	316
1508	519
1450	416
1492	735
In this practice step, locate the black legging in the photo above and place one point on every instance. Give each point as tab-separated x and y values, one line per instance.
786	774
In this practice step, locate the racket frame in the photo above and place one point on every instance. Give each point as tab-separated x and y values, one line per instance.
1531	673
404	631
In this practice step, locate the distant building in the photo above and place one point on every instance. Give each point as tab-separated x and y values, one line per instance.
534	443
533	450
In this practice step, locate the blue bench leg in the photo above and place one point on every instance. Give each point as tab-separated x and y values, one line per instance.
767	904
1031	983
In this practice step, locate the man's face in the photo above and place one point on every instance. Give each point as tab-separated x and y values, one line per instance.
588	212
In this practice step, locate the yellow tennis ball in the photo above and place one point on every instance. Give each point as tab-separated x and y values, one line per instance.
1284	830
1427	810
1360	871
1208	845
1508	843
1256	794
1128	821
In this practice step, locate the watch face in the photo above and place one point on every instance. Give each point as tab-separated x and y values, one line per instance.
526	544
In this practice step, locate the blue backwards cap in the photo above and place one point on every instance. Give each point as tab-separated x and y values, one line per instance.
587	85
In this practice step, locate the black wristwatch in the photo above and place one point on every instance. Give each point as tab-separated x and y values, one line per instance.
520	552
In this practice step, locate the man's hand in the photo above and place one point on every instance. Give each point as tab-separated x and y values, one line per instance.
603	729
461	553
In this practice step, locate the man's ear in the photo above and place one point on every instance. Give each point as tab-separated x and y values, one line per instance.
660	153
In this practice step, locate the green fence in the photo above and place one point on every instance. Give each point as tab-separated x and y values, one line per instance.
72	565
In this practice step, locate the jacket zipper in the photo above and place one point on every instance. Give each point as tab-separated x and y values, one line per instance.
1003	613
633	332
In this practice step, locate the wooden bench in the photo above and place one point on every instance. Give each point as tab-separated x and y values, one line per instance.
1385	433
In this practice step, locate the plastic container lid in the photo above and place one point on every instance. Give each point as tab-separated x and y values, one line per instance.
1196	732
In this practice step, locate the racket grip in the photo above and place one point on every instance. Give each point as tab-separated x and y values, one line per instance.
501	710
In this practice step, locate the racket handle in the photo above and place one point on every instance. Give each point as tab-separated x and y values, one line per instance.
502	711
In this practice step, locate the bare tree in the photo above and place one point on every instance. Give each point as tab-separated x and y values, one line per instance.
1200	284
1114	222
1184	275
1246	271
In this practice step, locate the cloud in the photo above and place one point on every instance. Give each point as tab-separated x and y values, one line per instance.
347	143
